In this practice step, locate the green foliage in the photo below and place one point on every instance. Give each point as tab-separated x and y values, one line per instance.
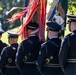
49	3
7	5
72	7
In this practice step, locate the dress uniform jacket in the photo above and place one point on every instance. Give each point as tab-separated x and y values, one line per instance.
27	54
7	62
47	63
2	45
67	54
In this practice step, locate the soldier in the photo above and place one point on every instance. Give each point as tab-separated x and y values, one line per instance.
48	63
2	45
28	50
67	54
7	62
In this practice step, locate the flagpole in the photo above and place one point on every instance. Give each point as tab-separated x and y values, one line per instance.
64	4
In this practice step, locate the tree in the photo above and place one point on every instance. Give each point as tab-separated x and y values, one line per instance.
7	5
72	6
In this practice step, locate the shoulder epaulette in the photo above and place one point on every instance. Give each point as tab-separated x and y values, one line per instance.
43	44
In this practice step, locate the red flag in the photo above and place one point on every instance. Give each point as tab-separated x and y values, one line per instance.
16	16
35	5
42	17
19	14
28	18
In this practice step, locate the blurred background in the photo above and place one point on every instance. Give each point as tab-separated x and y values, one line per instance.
6	5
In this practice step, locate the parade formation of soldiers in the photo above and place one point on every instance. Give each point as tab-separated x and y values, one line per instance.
34	56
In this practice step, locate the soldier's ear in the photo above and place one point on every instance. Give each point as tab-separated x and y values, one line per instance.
49	32
0	36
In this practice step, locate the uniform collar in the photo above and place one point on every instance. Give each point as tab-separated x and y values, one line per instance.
32	35
54	37
73	30
14	44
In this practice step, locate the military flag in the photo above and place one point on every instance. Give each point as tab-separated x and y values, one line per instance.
53	13
42	17
34	6
52	10
62	9
59	13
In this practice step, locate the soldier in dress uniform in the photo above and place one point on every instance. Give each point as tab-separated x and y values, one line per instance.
28	50
2	44
48	63
7	61
67	54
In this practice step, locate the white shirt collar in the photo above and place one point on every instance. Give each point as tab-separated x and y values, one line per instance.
54	37
32	35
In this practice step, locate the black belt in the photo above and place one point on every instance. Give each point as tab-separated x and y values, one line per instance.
8	66
30	62
52	65
71	60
